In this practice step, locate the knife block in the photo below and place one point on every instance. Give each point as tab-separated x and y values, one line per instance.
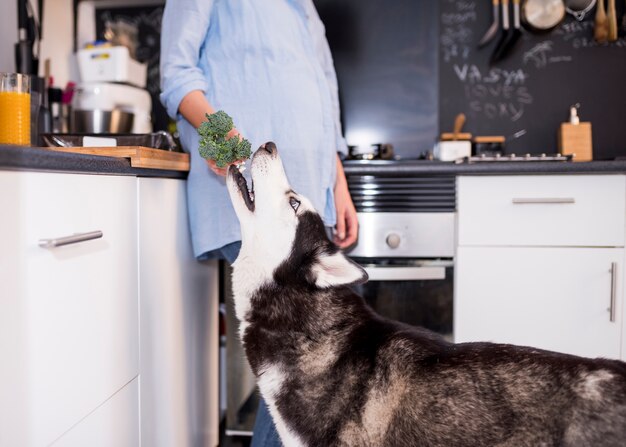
575	139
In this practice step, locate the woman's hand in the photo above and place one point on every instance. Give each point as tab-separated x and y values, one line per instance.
194	108
223	171
347	228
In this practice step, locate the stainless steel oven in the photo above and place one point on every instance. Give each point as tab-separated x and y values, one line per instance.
406	243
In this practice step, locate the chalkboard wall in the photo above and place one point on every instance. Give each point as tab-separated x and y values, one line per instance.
527	96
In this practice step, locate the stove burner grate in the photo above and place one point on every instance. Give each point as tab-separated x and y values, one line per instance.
514	158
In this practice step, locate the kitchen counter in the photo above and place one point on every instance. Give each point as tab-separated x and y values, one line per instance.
426	167
37	159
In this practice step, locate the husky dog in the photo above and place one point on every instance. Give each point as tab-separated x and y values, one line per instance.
334	373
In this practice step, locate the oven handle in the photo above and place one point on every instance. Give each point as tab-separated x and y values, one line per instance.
405	273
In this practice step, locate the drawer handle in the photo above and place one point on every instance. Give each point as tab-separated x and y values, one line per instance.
613	291
546	200
67	240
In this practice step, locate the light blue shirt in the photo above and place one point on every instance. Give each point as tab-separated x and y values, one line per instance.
267	64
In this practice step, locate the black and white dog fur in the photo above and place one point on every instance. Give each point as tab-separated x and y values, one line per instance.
334	373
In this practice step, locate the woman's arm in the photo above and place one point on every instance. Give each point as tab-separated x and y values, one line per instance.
183	30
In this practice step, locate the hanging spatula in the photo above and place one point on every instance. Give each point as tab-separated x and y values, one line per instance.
495	24
505	30
511	37
612	19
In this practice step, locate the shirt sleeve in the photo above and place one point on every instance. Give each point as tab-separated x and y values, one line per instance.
183	30
325	58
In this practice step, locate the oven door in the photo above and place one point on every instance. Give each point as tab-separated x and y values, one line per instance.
416	292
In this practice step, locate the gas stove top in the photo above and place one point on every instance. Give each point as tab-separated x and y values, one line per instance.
516	158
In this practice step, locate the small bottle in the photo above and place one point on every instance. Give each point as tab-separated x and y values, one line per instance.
573	114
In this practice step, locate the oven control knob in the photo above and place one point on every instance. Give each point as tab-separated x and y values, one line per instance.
393	240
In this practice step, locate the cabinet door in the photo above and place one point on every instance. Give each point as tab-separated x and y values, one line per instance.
546	211
179	315
69	319
558	299
114	423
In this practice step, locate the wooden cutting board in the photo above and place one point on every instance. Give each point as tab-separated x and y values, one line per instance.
140	157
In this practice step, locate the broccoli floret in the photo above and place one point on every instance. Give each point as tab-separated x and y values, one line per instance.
213	142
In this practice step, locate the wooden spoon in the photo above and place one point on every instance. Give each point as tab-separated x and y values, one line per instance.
601	27
612	19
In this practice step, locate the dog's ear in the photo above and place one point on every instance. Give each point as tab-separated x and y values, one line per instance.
335	269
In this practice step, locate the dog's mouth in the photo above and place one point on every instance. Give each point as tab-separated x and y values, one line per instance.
242	185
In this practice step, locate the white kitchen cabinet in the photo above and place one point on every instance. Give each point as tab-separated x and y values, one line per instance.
554	210
540	262
558	299
69	315
179	318
114	423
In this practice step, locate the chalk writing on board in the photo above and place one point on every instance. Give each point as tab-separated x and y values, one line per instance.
580	35
457	37
495	93
589	42
540	55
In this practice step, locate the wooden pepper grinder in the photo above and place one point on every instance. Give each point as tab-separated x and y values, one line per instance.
575	137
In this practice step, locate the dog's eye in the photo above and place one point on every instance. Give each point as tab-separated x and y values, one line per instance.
295	203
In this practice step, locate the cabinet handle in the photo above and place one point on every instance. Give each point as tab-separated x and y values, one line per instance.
613	291
67	240
546	200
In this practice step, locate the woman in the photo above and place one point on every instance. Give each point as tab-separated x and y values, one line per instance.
267	64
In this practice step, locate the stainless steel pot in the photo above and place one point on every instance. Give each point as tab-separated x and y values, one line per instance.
101	121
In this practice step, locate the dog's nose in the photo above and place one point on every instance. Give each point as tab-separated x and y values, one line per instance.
270	147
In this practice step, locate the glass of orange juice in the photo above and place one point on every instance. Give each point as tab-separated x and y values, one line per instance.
15	109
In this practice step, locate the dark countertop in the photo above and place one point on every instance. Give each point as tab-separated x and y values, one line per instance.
425	167
36	159
18	158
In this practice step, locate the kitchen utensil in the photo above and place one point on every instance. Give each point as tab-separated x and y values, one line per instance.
110	96
542	15
488	146
579	8
371	152
495	24
15	109
505	31
454	145
611	16
574	138
101	121
601	25
140	157
155	140
459	121
111	64
512	36
456	134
